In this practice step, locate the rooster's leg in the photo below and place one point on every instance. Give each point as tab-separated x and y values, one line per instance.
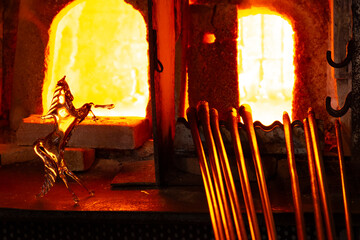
50	168
73	176
63	177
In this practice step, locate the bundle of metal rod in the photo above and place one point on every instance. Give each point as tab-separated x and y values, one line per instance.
229	181
349	231
299	214
320	176
214	210
203	113
245	113
243	176
313	182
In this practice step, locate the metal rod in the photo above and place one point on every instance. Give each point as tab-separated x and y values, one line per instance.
108	106
156	130
203	113
229	181
299	213
349	231
209	188
320	171
243	176
313	182
245	113
185	29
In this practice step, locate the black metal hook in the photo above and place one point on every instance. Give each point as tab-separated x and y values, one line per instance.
158	65
341	112
346	61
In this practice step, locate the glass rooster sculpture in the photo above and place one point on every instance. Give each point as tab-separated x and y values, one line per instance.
52	147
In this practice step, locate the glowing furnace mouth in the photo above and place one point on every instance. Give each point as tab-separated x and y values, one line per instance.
265	63
102	48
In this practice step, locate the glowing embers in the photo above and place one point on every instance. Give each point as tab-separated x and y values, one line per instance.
102	49
265	63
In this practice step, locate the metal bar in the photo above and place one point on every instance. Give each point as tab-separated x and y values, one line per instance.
349	231
156	131
108	106
245	113
313	182
299	213
203	113
185	23
243	176
320	171
229	181
209	188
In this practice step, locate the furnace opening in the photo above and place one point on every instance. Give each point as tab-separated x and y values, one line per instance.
265	57
102	49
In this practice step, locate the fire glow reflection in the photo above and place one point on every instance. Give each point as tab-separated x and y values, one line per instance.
265	63
102	49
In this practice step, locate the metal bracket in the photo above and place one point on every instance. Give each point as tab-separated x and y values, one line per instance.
342	111
346	61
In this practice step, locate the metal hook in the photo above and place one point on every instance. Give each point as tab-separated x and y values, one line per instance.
341	112
346	61
158	65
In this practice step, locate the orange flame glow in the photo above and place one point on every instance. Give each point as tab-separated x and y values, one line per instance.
102	49
265	63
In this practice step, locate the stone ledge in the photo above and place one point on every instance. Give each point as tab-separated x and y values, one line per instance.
11	153
106	132
79	159
76	159
138	173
